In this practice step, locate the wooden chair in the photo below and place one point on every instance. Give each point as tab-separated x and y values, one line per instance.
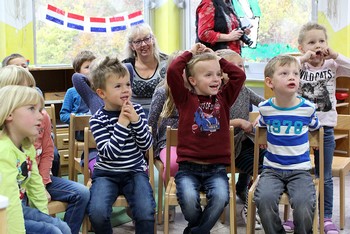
57	207
51	111
160	167
161	184
77	123
90	143
170	193
341	164
315	140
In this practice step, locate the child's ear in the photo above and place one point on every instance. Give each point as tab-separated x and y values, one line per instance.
9	117
101	93
300	48
192	81
268	82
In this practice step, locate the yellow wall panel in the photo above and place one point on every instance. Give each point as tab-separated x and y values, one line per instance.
167	27
17	41
338	41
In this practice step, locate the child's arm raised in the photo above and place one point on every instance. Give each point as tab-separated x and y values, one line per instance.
175	79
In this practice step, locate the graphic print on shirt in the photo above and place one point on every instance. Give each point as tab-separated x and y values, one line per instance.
24	172
314	87
206	118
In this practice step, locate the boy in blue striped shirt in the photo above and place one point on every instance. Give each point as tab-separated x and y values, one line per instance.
288	119
122	136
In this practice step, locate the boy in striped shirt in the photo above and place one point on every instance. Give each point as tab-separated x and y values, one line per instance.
122	136
288	119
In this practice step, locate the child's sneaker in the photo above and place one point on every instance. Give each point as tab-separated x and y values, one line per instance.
329	227
288	226
244	215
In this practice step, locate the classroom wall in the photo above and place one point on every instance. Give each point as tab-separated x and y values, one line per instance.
17	36
334	15
16	28
166	26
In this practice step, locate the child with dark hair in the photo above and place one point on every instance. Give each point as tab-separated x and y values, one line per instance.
122	136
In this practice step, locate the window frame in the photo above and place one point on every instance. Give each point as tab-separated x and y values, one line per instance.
254	70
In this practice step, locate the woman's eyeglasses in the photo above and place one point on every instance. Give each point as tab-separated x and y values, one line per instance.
146	40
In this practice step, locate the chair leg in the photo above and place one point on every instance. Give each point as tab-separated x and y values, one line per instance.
86	225
342	199
166	216
233	224
316	218
286	212
251	215
160	199
223	216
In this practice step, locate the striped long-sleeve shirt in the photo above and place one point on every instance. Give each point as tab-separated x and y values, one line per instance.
120	149
288	134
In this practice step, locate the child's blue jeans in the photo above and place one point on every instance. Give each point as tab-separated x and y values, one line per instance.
302	197
37	222
135	186
193	178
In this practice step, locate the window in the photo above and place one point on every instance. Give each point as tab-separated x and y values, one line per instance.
58	44
276	28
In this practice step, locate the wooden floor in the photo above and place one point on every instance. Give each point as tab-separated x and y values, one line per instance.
178	226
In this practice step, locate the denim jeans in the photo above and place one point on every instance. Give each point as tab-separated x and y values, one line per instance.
329	146
135	186
245	162
37	222
302	197
193	178
56	162
76	195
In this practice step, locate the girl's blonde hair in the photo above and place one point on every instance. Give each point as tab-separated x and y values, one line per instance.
308	27
16	75
169	105
227	53
16	96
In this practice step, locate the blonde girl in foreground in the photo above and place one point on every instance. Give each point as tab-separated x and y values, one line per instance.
20	118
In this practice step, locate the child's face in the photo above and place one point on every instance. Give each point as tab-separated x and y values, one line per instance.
236	60
117	91
21	62
207	76
25	121
285	79
85	68
314	40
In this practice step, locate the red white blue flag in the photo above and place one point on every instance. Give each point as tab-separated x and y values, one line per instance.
98	24
75	21
135	18
117	23
55	14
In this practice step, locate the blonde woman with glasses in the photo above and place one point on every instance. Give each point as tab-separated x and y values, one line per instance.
148	63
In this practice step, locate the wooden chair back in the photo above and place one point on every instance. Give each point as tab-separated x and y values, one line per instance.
77	123
51	111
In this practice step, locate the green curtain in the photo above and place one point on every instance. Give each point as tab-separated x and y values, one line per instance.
254	6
